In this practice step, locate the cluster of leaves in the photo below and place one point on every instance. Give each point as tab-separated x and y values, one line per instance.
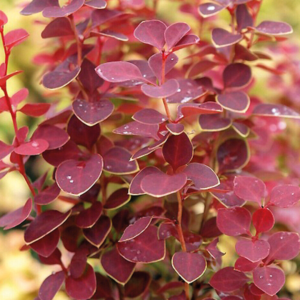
133	173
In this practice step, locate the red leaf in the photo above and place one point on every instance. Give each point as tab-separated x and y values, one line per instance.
269	279
136	128
55	136
168	184
99	4
274	110
88	217
214	122
3	18
210	9
57	28
137	228
283	246
76	177
249	188
190	109
189	266
165	90
252	250
228	280
223	38
244	265
119	71
5	150
188	40
149	116
92	113
175	32
234	101
34	147
234	221
51	286
137	285
175	129
263	220
202	176
135	185
97	234
236	75
66	10
43	224
274	28
15	37
117	199
6	77
48	195
284	195
243	17
152	33
116	266
16	217
145	248
117	161
178	150
83	287
47	245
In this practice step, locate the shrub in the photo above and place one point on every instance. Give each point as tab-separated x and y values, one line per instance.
163	150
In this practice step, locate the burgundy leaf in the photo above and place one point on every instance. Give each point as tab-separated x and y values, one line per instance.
47	245
178	150
244	265
119	71
234	221
284	246
214	122
137	284
34	147
78	262
189	266
76	177
165	90
169	184
236	75
55	136
202	176
82	134
252	250
235	101
15	37
263	220
223	38
210	9
117	161
57	28
97	234
149	116
104	287
285	195
48	195
136	128
178	297
92	113
98	4
37	6
243	17
269	279
135	185
156	63
151	32
175	32
187	40
117	199
190	109
14	218
274	28
83	287
228	280
58	79
66	10
116	266
53	259
241	129
137	228
88	217
145	248
51	286
275	110
44	224
249	188
175	129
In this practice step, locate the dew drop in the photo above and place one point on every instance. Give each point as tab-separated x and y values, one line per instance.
211	8
179	90
69	177
138	252
108	167
271	276
261	277
293	194
71	181
144	75
35	144
172	59
112	78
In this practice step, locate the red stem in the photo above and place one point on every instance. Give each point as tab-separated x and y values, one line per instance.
164	57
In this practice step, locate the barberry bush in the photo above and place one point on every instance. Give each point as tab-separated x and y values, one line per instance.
164	147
